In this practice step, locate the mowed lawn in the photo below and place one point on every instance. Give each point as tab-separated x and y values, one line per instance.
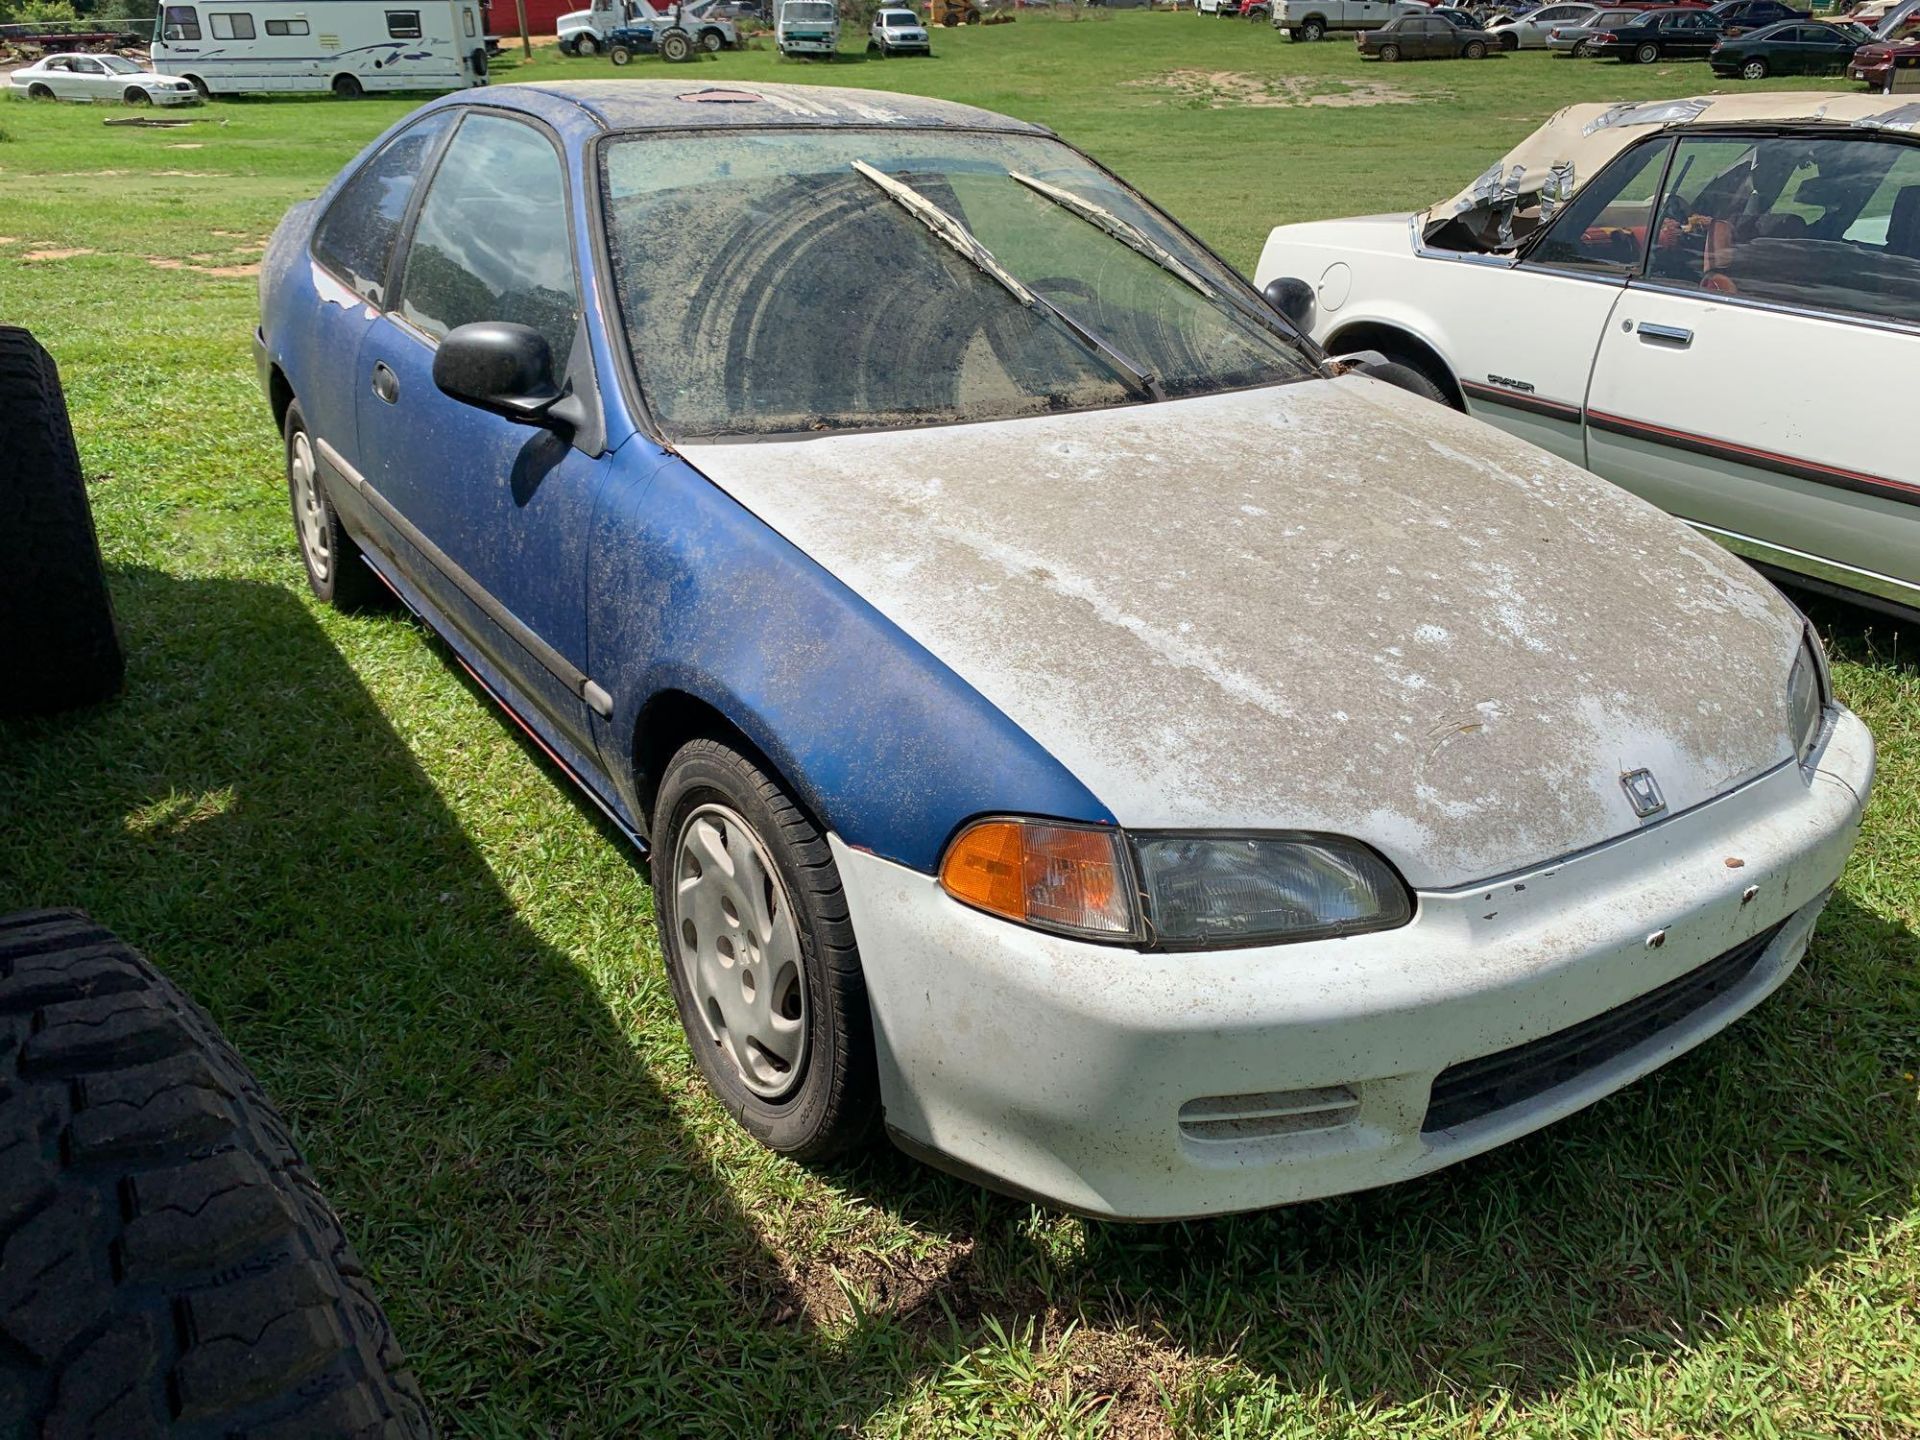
444	968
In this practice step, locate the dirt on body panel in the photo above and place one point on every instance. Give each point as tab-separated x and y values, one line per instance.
1328	606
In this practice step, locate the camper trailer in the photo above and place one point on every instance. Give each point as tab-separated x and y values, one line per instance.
351	47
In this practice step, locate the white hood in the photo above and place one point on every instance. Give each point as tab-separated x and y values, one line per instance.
1326	606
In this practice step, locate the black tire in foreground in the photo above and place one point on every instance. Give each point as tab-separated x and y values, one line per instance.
167	1265
58	646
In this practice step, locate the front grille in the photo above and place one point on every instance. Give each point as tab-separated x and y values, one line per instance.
1475	1088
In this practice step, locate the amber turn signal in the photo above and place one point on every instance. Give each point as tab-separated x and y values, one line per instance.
1070	878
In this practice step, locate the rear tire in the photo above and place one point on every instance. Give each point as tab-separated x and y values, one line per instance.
1420	376
348	87
1646	54
170	1266
832	1103
58	645
1311	31
675	46
336	572
712	41
39	92
1390	53
1754	70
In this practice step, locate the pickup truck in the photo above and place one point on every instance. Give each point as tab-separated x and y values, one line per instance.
1315	19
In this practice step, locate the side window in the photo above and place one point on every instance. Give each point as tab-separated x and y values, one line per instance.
1823	224
286	27
492	241
181	22
231	27
1607	225
403	24
355	237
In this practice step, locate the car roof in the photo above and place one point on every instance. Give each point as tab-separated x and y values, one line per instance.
1586	137
680	105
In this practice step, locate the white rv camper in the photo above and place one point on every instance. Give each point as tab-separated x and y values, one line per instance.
235	47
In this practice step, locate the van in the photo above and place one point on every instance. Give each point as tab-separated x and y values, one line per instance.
808	27
351	47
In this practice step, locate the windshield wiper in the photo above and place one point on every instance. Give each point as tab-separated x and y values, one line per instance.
1102	218
969	247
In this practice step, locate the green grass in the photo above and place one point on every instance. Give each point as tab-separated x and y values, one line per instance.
444	970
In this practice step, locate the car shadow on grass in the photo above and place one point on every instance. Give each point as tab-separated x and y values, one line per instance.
557	1234
543	1219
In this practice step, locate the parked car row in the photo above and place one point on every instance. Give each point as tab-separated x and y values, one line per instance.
1750	39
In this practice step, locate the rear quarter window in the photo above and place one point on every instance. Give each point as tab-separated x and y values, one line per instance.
354	239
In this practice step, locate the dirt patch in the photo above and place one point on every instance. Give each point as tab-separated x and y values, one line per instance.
33	257
9	239
1133	1378
227	272
1233	89
184	145
827	1288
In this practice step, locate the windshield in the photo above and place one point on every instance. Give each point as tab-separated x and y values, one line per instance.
808	10
895	19
1018	279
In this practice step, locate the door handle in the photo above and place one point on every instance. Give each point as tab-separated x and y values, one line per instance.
1665	335
386	384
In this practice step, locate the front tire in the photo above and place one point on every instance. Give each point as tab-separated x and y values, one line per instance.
348	87
586	45
1754	70
760	952
336	573
1646	54
1476	50
136	96
620	55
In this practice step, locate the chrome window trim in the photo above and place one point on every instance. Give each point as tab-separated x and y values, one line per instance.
1461	257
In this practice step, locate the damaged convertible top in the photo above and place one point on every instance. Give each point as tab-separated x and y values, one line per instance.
1527	185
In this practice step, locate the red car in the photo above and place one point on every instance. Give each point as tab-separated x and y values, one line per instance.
1890	64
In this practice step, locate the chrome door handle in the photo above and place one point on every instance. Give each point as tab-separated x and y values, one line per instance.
1666	335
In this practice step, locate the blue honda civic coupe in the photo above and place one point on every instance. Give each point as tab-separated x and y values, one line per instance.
1074	724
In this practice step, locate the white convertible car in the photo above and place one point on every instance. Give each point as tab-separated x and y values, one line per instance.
109	78
1701	300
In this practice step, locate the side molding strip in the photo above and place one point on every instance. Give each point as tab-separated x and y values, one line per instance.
1517	400
556	664
1812	470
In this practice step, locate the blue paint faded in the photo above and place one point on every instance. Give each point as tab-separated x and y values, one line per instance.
630	565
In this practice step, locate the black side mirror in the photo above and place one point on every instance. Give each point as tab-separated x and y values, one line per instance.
502	368
1291	298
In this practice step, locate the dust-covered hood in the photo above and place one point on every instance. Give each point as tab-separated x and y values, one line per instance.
1325	606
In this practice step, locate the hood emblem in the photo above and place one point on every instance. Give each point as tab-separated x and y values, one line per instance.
1643	793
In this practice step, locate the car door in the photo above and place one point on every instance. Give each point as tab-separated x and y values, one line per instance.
1694	34
1741	386
1522	340
496	513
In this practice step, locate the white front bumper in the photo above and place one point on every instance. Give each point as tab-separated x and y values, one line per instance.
1059	1069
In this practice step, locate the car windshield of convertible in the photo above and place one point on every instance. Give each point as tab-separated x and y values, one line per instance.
787	282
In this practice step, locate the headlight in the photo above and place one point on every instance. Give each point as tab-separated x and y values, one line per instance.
1807	695
1173	891
1246	890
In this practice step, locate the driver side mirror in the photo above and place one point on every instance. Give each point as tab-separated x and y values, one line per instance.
502	368
1292	299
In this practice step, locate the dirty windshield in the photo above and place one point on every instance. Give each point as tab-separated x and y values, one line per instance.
818	10
769	285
